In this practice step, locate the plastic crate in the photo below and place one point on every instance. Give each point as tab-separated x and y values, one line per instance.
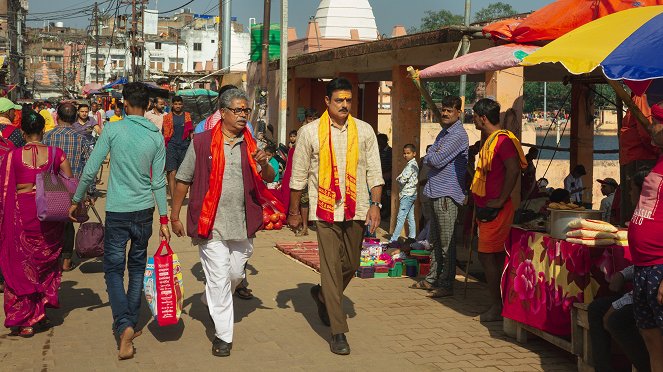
381	275
366	272
397	270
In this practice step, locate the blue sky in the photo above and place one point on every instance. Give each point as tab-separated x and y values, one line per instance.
387	12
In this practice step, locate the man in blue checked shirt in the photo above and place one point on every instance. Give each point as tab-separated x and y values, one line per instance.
447	160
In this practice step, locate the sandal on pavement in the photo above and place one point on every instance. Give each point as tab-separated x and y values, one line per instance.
422	285
72	266
439	293
243	293
26	332
221	348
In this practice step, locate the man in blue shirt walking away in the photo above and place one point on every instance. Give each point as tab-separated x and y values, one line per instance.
447	160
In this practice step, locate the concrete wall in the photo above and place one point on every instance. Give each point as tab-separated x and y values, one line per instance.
169	51
240	43
108	69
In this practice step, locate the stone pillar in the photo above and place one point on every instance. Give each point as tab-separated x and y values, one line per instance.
406	128
582	135
370	105
299	99
506	86
354	80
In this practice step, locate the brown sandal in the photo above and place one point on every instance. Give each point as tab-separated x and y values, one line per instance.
244	293
439	293
26	332
422	285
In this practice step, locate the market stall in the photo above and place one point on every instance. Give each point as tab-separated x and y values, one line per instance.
544	277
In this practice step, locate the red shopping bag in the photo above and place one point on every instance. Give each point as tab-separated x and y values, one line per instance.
163	286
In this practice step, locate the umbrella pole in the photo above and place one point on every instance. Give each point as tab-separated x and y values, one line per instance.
414	75
626	98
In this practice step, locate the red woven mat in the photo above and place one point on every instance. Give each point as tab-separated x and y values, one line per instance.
304	252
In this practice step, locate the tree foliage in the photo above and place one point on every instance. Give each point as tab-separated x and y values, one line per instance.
494	11
434	20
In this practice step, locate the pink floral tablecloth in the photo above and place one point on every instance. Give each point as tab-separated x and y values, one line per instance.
543	277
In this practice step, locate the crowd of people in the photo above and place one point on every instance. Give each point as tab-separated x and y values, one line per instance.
333	172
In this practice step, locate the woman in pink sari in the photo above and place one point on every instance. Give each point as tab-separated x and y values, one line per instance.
29	248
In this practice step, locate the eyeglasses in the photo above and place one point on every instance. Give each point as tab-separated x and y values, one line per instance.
247	111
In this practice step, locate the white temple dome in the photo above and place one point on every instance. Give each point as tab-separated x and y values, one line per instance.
337	17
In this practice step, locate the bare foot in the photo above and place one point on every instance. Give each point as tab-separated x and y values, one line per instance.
66	264
126	344
494	314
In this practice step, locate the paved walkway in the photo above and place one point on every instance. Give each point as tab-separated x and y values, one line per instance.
393	328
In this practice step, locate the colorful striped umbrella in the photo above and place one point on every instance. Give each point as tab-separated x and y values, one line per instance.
627	45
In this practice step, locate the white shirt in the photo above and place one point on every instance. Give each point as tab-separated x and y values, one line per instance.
571	183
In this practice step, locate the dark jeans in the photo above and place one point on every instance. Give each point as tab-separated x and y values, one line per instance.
120	228
621	328
68	240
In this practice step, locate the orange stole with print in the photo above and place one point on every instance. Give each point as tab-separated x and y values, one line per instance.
329	191
168	126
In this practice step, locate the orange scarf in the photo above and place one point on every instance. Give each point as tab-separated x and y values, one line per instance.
329	191
211	200
168	129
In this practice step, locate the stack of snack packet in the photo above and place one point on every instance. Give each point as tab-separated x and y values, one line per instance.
621	238
591	232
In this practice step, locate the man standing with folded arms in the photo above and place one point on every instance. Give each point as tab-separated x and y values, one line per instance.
136	180
337	157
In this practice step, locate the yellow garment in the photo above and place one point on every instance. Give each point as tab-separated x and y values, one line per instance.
115	118
486	160
50	123
328	185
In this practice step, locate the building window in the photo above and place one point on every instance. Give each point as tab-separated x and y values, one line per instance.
117	61
157	46
156	63
197	46
100	78
175	64
212	41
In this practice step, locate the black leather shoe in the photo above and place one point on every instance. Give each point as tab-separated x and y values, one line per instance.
322	309
339	344
221	348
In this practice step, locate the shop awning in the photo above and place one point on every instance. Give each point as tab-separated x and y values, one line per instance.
119	81
90	88
491	59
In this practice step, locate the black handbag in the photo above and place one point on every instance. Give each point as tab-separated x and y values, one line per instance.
487	214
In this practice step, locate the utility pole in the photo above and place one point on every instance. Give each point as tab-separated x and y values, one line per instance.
96	36
219	44
265	47
177	50
465	46
134	28
225	57
283	68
